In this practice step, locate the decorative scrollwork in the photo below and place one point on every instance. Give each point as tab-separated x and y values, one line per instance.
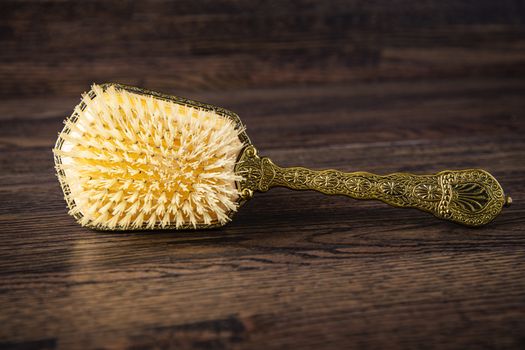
392	188
358	185
471	197
428	192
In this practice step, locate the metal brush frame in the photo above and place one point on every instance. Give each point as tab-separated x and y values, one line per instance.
470	197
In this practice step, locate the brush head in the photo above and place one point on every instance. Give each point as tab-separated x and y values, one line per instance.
133	159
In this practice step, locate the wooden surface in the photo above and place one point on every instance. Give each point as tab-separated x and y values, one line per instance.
382	87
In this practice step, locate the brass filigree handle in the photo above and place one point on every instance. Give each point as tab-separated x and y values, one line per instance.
471	197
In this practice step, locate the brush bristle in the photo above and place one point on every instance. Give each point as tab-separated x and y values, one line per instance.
131	161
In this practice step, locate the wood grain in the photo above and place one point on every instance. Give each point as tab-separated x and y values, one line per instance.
399	86
60	47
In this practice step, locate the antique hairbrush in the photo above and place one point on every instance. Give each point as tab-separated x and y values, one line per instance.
133	159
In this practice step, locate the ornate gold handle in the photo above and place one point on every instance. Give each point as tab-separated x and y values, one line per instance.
470	197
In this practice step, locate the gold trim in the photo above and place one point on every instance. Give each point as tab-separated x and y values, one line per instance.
470	197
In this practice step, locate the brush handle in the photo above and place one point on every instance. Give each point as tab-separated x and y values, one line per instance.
471	197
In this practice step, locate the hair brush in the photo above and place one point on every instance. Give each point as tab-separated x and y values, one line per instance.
131	159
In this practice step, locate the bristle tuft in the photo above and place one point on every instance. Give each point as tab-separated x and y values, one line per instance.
130	161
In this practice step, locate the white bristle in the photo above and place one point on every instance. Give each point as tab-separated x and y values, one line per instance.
131	161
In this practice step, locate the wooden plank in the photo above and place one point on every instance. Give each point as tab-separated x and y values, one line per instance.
56	47
398	86
294	268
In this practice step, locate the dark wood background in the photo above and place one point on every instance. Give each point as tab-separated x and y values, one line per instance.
381	86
